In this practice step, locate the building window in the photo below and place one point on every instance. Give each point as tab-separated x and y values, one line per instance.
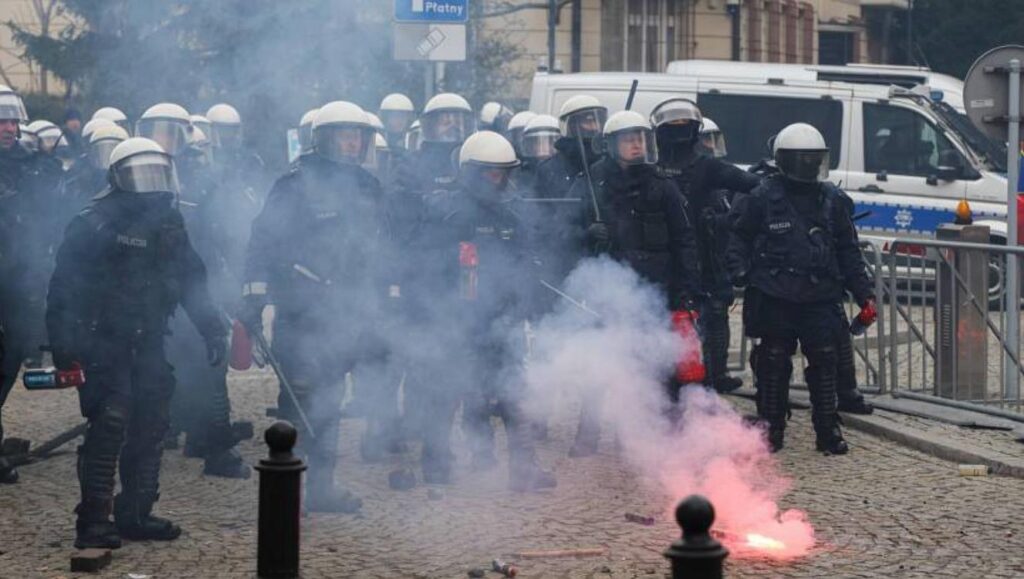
837	47
650	34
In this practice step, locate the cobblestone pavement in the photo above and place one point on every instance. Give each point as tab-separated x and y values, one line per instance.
881	511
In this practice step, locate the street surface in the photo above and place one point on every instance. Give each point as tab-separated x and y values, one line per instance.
882	511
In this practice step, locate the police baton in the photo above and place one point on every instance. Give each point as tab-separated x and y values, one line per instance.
261	344
570	299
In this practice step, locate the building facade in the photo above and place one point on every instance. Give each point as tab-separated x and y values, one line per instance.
645	35
34	16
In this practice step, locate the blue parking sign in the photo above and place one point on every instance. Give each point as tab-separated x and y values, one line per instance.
431	10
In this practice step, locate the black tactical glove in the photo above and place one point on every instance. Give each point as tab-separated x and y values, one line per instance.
216	350
63	359
598	232
251	314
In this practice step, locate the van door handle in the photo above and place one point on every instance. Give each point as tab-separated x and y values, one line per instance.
871	189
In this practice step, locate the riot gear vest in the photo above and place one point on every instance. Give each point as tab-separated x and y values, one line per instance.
795	251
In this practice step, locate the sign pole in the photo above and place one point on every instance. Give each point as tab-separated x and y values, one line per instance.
1011	374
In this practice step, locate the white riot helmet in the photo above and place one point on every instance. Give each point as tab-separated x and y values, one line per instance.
629	139
494	116
167	124
485	161
201	144
677	121
539	138
226	125
113	115
582	116
46	133
397	113
374	121
712	139
102	142
414	137
202	123
306	130
342	133
516	126
801	154
140	165
93	125
447	118
11	106
378	158
27	138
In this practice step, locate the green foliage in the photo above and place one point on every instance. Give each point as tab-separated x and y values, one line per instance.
44	106
951	34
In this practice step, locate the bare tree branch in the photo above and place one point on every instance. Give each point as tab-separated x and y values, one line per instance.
513	8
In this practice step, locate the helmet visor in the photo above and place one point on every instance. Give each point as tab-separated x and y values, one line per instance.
586	123
48	139
633	147
170	134
539	145
805	166
447	126
673	111
413	139
146	173
306	137
99	153
396	122
347	144
714	143
226	136
12	108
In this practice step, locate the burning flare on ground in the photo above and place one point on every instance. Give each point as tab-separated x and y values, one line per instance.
699	445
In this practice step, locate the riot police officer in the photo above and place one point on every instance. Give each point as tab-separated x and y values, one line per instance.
537	144
125	264
580	119
637	216
30	188
494	117
516	126
314	254
306	132
397	113
795	248
479	241
708	183
111	114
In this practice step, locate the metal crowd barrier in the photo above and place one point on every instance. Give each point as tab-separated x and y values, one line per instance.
947	341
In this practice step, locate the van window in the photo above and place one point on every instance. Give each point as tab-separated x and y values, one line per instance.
900	141
749	121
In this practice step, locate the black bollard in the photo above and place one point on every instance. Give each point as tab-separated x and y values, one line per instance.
697	555
280	504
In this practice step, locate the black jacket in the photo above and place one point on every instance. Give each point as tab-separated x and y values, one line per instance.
649	227
556	176
796	242
124	265
316	241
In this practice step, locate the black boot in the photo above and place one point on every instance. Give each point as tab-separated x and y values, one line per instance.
524	472
850	398
9	476
136	522
726	384
227	464
322	496
93	528
774	367
821	385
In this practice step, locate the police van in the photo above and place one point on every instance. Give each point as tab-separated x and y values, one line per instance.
901	145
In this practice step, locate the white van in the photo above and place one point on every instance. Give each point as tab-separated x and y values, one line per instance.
900	153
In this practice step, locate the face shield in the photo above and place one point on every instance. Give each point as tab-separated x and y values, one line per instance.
397	122
586	123
347	144
803	166
306	137
226	136
485	181
714	143
539	145
413	139
170	134
11	108
633	147
99	152
447	126
48	139
146	173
